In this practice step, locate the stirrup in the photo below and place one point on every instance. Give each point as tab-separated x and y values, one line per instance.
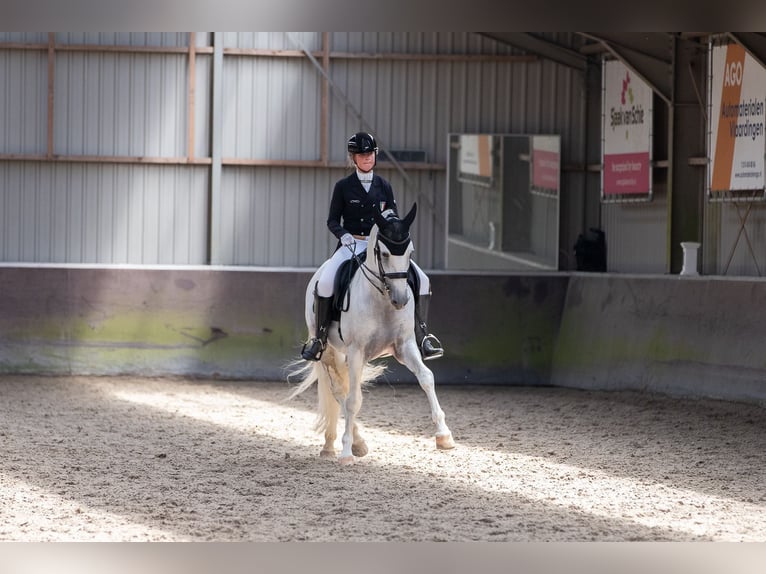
436	346
313	354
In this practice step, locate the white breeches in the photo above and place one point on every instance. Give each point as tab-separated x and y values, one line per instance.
326	283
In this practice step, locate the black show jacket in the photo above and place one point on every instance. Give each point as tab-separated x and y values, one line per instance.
352	208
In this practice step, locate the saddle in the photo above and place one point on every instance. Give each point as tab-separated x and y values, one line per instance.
346	272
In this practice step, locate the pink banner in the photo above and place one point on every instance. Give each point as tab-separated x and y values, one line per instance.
626	173
545	169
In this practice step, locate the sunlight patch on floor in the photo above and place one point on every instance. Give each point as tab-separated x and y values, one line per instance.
36	515
535	478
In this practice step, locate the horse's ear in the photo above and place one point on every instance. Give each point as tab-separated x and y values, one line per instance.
410	217
379	219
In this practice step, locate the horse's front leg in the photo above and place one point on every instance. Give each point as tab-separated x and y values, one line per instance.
351	407
409	356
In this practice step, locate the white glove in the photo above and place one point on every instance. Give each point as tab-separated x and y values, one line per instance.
347	239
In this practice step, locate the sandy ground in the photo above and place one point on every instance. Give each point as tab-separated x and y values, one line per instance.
126	459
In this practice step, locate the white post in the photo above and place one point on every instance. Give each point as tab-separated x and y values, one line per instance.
690	257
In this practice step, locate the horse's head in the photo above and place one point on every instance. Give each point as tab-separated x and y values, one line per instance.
392	249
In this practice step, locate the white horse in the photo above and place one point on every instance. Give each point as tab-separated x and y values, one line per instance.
377	321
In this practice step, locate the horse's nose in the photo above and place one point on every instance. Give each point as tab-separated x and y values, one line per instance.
399	302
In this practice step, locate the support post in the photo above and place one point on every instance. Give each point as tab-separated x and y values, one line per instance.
216	150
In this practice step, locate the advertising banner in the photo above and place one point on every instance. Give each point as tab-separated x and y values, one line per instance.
546	162
737	141
475	158
627	132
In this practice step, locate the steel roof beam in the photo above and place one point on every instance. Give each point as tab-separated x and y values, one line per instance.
542	47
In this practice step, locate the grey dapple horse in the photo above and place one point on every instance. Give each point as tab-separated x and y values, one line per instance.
377	321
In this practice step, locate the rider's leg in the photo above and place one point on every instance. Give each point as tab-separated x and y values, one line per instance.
312	350
323	297
430	347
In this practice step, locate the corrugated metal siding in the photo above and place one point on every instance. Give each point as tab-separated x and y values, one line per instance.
636	236
725	250
121	104
154	39
23	113
79	213
135	104
272	109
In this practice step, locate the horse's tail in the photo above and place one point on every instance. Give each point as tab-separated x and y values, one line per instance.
305	373
324	373
328	376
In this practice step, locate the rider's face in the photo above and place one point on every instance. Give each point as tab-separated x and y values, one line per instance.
365	161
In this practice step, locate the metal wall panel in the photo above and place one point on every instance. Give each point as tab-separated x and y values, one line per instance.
80	213
24	37
153	39
727	247
109	103
121	104
23	110
278	216
636	236
271	110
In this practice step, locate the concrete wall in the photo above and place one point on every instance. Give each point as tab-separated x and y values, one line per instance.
696	336
690	336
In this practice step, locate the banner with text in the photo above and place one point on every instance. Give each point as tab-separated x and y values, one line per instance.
627	132
546	164
737	142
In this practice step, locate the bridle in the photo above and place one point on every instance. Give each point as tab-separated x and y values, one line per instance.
382	276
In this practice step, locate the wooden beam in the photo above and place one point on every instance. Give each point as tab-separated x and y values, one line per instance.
104	159
109	49
247	162
257	52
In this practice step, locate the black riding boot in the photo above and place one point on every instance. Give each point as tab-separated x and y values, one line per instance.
312	350
430	347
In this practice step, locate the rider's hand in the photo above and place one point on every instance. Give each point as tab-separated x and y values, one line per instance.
347	239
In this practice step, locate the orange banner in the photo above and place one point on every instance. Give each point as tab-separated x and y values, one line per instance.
730	96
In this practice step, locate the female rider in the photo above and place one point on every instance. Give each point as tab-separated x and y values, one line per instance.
351	219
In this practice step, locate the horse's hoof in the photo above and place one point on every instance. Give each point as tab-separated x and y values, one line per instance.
359	449
445	442
346	460
327	454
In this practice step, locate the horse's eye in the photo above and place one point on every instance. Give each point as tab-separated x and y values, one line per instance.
385	255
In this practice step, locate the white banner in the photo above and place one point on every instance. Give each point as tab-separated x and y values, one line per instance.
476	155
737	141
627	132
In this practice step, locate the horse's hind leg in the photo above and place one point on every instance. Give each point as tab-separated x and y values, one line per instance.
410	358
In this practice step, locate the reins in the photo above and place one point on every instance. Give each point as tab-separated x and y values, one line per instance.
381	276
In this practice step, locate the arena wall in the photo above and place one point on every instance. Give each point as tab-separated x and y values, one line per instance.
677	335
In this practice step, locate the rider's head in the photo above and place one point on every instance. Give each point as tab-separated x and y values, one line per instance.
363	151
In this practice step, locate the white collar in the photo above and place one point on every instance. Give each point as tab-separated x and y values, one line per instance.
366	177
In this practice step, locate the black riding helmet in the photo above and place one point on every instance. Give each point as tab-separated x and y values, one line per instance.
362	142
